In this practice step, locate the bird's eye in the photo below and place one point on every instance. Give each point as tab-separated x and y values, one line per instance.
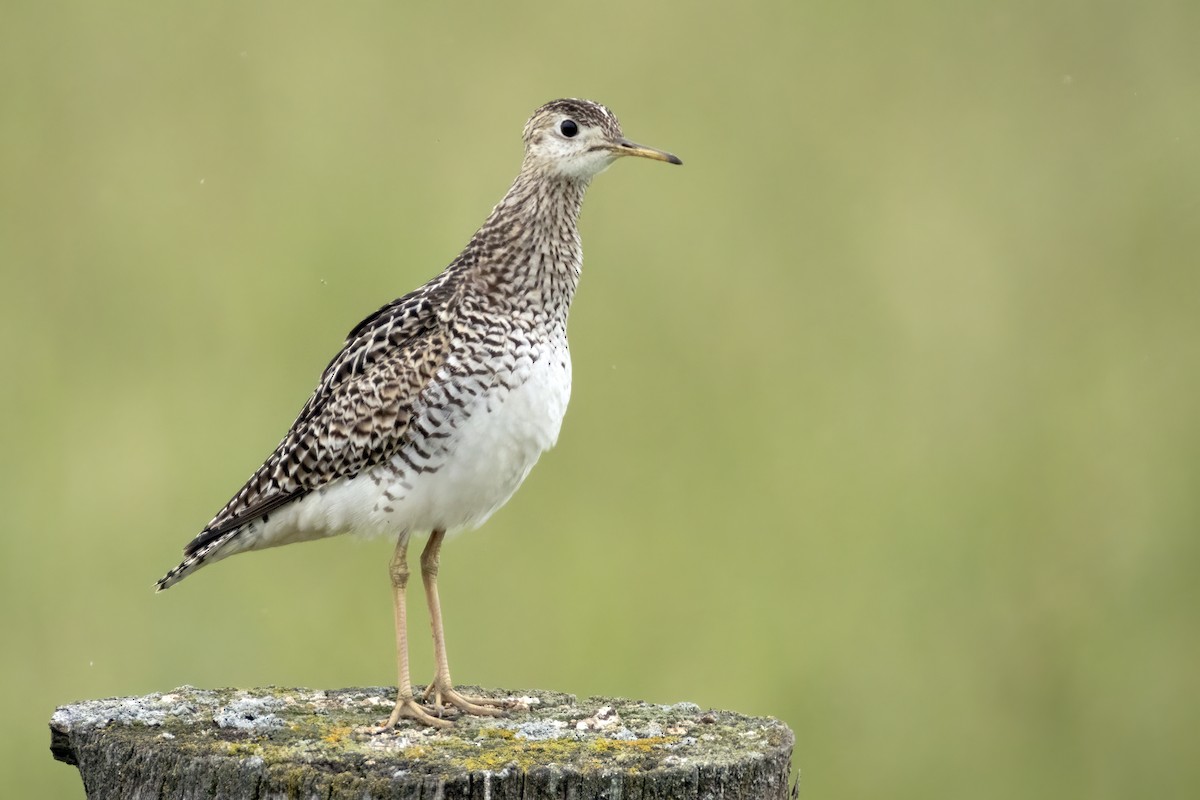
568	128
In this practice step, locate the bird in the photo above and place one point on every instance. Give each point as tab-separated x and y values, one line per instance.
439	404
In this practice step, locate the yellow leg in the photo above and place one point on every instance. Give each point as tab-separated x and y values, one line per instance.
406	704
441	692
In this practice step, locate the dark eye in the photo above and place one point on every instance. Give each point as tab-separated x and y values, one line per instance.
568	128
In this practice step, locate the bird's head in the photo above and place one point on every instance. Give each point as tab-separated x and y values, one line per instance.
577	139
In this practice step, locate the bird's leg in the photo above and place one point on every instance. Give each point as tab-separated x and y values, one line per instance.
406	704
442	692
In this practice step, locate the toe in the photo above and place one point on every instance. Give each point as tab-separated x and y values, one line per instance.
479	706
407	708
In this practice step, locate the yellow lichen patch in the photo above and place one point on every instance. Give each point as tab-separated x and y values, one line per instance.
631	745
337	734
241	749
501	751
416	752
497	733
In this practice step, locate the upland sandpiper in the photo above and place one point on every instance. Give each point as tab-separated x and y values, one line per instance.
440	403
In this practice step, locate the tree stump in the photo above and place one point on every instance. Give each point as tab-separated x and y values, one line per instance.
301	743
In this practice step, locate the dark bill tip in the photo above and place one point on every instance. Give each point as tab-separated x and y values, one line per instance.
628	148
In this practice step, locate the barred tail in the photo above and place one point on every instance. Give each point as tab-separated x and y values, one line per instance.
194	561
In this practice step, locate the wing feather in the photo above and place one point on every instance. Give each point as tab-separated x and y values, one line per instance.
358	415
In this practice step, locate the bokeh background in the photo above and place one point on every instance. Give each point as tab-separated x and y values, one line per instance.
884	418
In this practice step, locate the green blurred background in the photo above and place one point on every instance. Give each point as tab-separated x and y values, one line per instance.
884	412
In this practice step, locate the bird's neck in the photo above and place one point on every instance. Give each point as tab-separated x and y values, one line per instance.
529	245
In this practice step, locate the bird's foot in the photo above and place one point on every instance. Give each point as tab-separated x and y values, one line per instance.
408	708
442	696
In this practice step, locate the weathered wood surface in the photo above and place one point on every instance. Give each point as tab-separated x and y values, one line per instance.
301	743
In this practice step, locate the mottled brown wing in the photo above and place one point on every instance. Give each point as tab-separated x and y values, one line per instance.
359	414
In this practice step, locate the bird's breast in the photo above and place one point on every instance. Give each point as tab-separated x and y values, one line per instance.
480	429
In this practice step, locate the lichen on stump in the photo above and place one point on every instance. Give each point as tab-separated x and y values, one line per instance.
301	743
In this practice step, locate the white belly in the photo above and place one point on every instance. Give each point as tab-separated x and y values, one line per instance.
493	446
490	453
